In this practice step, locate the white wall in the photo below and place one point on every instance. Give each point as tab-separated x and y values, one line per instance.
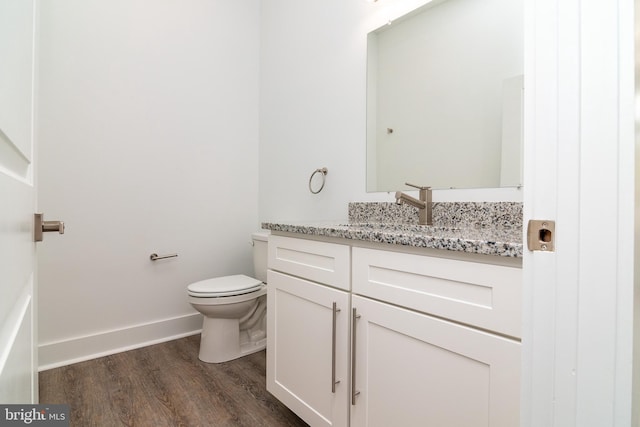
312	94
148	132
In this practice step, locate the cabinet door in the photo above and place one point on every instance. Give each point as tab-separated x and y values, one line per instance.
416	370
302	351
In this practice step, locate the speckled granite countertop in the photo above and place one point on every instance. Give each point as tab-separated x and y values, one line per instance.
479	237
506	242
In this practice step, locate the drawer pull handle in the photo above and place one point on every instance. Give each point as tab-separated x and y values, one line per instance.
354	392
333	349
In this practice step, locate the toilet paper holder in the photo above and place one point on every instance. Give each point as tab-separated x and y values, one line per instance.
155	257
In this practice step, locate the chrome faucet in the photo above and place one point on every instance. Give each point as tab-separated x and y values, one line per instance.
424	205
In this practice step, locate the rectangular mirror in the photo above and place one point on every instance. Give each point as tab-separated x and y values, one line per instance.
444	97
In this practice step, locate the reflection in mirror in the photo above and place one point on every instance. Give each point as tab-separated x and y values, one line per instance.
444	97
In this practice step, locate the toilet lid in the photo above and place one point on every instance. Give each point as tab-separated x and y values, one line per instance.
224	286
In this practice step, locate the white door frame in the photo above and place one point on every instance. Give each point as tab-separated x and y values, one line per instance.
579	172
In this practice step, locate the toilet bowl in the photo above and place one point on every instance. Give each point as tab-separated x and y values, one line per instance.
234	309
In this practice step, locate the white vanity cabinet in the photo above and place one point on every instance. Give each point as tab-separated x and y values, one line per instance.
419	340
308	328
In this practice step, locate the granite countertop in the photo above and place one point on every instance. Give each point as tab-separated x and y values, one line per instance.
495	240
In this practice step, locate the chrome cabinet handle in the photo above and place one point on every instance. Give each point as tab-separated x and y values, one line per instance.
333	349
40	226
354	392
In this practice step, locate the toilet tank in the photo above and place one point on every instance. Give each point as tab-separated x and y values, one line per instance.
260	254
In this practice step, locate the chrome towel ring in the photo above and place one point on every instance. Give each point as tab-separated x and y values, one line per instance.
322	171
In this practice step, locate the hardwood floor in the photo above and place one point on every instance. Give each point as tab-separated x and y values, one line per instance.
166	385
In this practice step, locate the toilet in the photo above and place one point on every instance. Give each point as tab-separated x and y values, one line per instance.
234	309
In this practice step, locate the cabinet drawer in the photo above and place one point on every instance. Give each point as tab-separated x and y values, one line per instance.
483	295
322	262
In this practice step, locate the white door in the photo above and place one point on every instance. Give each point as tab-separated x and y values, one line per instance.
18	320
579	165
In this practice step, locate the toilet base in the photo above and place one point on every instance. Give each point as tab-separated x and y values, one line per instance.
222	340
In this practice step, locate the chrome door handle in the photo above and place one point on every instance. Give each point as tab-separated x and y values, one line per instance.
333	349
354	317
40	226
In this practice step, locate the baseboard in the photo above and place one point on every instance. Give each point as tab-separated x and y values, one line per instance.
66	352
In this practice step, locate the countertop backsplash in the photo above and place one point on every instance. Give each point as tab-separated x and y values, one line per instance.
445	214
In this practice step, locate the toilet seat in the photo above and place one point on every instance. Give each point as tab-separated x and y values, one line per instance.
226	286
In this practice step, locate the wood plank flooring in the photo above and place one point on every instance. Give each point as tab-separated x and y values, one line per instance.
166	385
